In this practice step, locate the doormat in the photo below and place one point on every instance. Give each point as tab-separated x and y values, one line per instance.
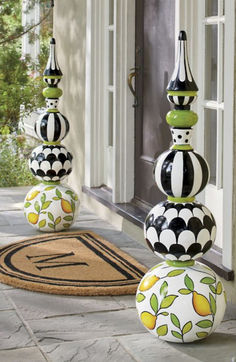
70	263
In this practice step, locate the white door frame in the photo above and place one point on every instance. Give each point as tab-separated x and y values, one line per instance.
123	113
188	13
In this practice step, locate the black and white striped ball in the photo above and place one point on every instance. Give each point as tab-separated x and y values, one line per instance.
177	231
181	173
52	126
181	100
50	163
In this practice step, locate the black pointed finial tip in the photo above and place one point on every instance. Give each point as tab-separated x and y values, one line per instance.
182	35
52	41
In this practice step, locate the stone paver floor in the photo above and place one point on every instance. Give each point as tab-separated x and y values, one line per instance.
36	327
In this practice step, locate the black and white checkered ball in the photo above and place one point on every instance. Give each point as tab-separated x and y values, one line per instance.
177	231
50	163
51	126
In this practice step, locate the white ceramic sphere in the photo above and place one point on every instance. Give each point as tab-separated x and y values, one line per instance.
51	208
181	304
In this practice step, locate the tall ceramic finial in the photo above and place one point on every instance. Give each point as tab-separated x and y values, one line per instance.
51	206
52	67
180	230
182	79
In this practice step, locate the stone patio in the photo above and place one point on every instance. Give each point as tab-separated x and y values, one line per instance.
36	327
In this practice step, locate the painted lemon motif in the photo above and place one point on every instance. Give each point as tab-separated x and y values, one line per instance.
201	304
32	195
148	320
148	282
33	218
66	206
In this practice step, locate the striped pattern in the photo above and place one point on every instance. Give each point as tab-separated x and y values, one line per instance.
51	81
181	173
52	67
182	79
181	100
51	127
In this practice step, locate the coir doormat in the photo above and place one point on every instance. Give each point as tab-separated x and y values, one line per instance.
74	263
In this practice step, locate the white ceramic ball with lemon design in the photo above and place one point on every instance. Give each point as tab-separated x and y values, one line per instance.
51	208
181	304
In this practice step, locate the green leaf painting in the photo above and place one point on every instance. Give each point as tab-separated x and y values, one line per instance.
175	272
175	320
162	330
168	301
213	289
49	188
58	220
51	225
212	304
42	223
140	297
50	216
46	205
219	288
68	218
156	266
36	206
164	289
43	198
73	206
225	296
56	198
189	283
184	291
58	193
176	334
66	226
154	303
27	204
206	323
187	327
202	334
207	280
164	313
69	192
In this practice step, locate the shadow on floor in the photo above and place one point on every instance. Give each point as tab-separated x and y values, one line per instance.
219	347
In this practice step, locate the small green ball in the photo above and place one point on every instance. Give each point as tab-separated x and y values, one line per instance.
52	92
181	118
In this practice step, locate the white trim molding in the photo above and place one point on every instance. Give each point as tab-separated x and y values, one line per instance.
229	134
123	136
96	97
190	16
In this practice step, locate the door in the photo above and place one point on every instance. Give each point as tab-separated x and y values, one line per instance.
154	52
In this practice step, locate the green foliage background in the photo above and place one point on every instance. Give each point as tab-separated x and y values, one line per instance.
19	87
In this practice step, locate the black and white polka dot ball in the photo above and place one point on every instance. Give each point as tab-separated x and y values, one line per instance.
177	231
50	163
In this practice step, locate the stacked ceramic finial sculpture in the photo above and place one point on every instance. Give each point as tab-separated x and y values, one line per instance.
181	300
51	206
